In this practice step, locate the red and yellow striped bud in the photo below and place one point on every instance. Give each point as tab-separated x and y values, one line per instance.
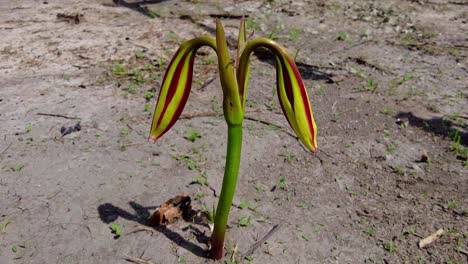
290	89
176	86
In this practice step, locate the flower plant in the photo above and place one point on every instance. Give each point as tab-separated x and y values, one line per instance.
234	76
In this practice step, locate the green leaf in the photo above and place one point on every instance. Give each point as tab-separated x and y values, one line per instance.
250	24
341	36
199	196
200	179
116	230
118	70
149	95
282	182
14	248
192	135
210	214
244	221
370	85
132	88
4	225
390	247
139	54
18	167
294	34
371	231
243	204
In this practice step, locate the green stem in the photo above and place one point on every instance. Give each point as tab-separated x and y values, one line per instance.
227	192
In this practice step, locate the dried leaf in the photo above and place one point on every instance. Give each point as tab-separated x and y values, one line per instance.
171	211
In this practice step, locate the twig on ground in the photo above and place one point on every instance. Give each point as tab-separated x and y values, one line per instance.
203	114
363	61
257	244
351	47
140	229
234	252
271	124
138	260
6	149
208	82
428	240
58	115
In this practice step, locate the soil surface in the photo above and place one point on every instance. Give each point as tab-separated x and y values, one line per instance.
387	81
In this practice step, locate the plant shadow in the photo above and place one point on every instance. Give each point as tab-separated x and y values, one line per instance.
108	213
436	125
307	71
138	6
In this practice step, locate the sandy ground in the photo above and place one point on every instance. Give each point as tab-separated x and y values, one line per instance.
388	85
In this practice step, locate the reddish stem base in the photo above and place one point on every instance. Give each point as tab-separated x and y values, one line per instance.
217	247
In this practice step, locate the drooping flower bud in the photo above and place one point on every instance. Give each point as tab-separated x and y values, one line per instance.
291	91
176	86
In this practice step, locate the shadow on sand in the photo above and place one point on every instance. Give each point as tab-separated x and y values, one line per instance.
109	213
139	6
437	125
310	72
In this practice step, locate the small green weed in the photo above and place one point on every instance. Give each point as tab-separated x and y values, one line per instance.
456	146
454	204
132	88
341	36
320	91
149	95
137	76
370	85
391	149
244	204
294	34
192	135
421	260
5	224
200	179
199	196
405	78
139	54
289	157
116	229
118	70
250	24
390	247
244	221
371	231
281	182
210	214
386	133
18	168
148	109
388	111
124	132
215	105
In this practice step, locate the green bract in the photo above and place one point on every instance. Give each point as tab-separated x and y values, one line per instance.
176	87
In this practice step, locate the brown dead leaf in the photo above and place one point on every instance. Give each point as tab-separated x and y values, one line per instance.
70	18
171	211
